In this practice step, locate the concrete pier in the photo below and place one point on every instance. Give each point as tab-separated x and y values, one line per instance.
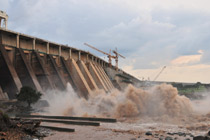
9	79
40	71
87	75
55	74
102	78
25	71
3	95
96	77
106	77
79	79
64	68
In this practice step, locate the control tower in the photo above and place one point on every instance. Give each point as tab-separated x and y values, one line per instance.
3	19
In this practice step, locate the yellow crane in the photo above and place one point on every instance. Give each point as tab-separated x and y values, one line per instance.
108	54
116	57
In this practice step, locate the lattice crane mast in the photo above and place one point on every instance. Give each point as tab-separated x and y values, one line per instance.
116	57
159	73
108	54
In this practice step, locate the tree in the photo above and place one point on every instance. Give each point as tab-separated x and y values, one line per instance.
29	95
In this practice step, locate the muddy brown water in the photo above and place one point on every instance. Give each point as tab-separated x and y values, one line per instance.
160	110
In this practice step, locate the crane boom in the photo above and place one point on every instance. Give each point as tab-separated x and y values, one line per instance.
119	54
96	49
159	73
108	55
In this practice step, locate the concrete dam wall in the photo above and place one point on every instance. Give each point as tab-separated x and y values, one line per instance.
43	65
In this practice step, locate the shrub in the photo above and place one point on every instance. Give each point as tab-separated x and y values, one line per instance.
29	95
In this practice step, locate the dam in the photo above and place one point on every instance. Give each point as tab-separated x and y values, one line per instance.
44	65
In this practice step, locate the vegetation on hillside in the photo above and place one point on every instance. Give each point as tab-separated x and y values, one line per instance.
193	90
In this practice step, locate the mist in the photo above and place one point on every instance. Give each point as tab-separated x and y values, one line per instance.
161	101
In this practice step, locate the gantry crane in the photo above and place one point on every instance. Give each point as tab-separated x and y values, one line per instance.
159	73
116	57
108	54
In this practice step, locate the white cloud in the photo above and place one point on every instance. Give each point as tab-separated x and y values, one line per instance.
149	33
149	5
186	60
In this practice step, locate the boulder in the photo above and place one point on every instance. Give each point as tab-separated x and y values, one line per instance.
201	138
148	133
168	138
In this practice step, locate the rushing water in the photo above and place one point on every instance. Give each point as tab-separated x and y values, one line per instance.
160	109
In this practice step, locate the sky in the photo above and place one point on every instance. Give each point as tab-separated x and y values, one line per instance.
151	34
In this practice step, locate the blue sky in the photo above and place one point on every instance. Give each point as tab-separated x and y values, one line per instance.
150	33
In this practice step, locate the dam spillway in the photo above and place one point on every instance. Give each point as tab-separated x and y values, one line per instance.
45	65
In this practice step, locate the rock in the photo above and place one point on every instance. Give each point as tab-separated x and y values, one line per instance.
3	134
181	134
199	138
30	129
191	135
168	138
39	134
27	138
188	134
170	133
43	132
148	133
4	121
156	134
207	138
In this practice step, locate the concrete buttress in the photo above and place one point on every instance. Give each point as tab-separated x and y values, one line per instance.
41	72
96	77
79	79
66	71
102	77
25	71
87	75
3	95
106	77
9	79
60	83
